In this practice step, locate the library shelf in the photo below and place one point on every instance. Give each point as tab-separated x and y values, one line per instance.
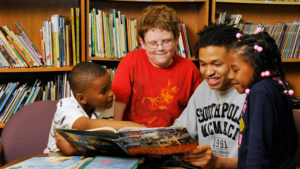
36	69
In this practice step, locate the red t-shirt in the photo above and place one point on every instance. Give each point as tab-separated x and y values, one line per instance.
155	96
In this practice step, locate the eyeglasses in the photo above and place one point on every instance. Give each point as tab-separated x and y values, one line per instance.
164	43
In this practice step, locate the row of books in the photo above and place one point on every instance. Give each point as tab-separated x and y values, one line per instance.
111	35
16	50
183	48
14	95
60	44
60	40
286	35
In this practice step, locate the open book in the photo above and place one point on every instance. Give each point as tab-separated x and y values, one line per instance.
130	141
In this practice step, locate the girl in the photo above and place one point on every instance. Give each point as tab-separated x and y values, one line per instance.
268	136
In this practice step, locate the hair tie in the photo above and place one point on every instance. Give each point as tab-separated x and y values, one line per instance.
258	48
265	74
247	91
288	92
239	35
258	30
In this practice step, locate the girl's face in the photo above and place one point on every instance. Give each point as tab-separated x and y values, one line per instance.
241	72
160	46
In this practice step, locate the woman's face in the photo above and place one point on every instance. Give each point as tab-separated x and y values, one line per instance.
160	46
241	72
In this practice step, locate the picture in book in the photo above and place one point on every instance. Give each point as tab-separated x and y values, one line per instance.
131	141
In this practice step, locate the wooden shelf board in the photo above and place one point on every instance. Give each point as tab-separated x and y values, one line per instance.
36	69
2	125
291	60
258	2
158	1
117	60
104	59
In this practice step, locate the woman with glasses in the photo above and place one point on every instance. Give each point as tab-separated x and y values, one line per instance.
152	85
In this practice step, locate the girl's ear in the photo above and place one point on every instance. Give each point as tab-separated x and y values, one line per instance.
142	43
81	98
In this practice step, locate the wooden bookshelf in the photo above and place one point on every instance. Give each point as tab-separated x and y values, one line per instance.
265	12
36	69
117	60
2	125
30	15
194	14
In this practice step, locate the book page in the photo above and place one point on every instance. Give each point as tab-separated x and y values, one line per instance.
157	141
104	129
131	128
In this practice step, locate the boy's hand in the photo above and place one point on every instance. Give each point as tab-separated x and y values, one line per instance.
202	156
64	145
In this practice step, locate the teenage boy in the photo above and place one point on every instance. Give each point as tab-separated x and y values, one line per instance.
152	85
213	112
91	92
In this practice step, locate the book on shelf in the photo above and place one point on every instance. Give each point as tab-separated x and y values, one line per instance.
110	34
77	23
29	43
14	95
185	40
73	37
8	90
17	50
235	19
131	141
55	40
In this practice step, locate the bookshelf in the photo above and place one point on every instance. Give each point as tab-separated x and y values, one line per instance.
30	15
193	13
265	12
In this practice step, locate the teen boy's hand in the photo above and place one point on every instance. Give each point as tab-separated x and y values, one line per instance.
64	145
203	157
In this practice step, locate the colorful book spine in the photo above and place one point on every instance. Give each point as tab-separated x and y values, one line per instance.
55	40
73	36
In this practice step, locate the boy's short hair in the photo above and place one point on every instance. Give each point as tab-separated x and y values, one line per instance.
158	16
216	35
83	74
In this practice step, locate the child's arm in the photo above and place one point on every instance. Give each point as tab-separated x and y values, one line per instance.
85	123
203	157
119	109
64	145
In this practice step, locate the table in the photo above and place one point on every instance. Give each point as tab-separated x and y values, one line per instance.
25	158
57	154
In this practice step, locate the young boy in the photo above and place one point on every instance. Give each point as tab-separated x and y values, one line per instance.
213	111
152	85
91	92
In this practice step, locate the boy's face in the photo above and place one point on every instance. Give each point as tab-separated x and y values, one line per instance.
160	47
214	68
99	93
241	72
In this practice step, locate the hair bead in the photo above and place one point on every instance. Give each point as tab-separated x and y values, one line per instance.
239	35
247	91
